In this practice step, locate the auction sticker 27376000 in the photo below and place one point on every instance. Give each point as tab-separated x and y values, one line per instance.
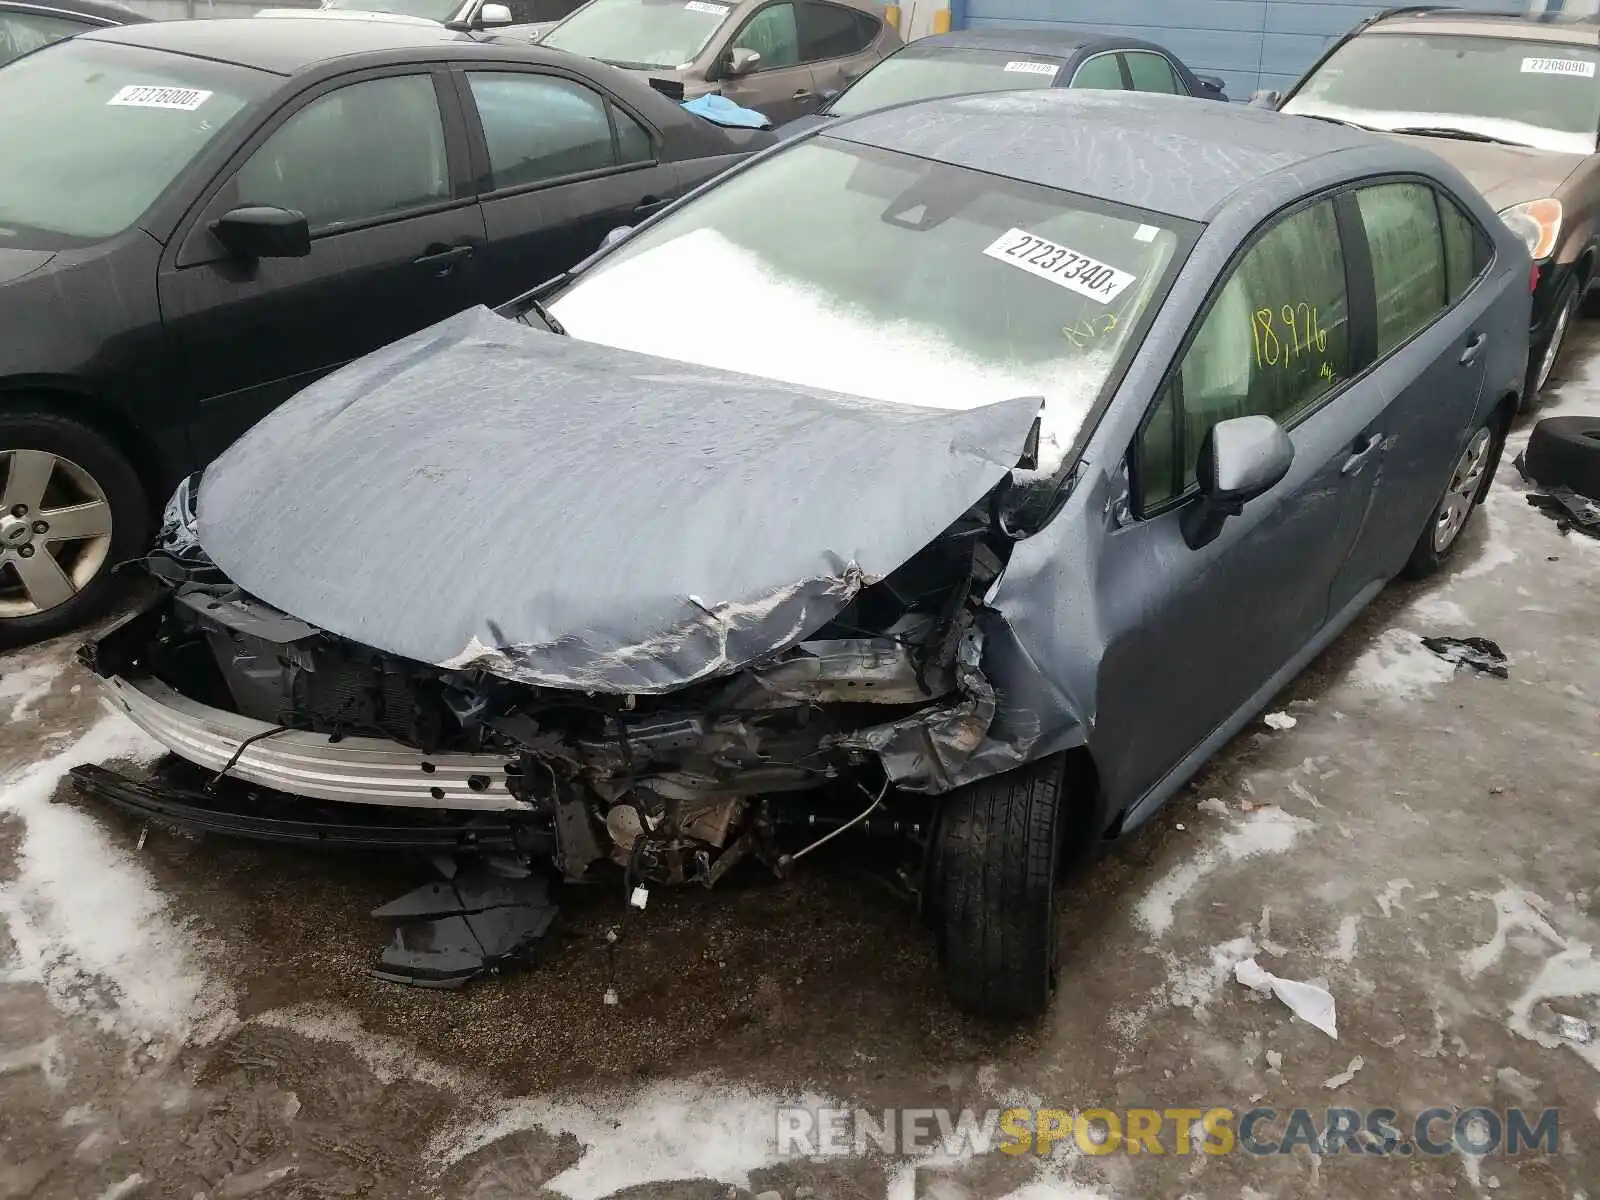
1060	265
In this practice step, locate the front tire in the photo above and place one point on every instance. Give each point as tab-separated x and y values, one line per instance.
71	508
1546	356
996	858
1469	481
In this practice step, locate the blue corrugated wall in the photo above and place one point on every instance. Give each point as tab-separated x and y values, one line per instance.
1250	43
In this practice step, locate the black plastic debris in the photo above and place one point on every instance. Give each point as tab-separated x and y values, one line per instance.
1476	652
1568	510
476	922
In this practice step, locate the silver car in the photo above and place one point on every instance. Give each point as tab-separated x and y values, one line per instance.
992	497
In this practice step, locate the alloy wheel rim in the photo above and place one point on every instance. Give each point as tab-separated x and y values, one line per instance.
55	531
1553	350
1462	492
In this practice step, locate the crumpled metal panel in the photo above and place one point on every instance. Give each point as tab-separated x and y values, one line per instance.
565	514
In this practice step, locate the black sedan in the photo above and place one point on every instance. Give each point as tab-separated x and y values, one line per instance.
29	24
198	218
996	59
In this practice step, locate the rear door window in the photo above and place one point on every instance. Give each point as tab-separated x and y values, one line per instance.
1408	258
1152	73
1101	71
537	128
828	31
1466	247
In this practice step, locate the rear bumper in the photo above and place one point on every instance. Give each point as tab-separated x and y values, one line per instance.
353	770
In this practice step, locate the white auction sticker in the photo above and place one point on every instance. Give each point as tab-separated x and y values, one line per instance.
1066	268
1576	67
699	6
155	95
1034	68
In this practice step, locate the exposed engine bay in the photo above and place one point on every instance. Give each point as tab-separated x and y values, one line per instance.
674	788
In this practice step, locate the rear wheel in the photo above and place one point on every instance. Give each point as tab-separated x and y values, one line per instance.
71	508
1468	483
996	858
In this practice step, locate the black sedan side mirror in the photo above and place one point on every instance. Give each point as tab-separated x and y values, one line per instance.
1266	98
1213	84
1240	459
261	231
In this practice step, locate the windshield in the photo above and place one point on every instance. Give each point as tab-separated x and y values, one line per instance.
107	129
1540	94
858	270
923	73
640	33
433	10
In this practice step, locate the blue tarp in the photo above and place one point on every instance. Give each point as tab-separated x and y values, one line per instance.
719	110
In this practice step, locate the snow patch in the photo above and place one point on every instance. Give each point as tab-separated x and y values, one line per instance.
1571	974
26	687
1344	948
698	1128
1264	831
1514	910
1436	610
88	921
387	1058
1399	666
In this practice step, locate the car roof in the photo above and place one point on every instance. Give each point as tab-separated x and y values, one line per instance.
1020	39
1544	27
1169	154
289	45
103	10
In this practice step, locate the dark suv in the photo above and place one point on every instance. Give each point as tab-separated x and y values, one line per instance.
1509	100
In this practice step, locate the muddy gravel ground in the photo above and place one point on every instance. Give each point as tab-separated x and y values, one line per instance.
193	1018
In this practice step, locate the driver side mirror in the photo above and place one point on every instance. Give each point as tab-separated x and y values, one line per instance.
1240	459
261	231
491	16
1213	84
1266	98
741	61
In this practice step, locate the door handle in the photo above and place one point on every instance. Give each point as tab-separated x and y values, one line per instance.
650	204
1363	449
1470	354
442	257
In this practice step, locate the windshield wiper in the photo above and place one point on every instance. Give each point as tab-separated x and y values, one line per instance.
1444	131
1333	121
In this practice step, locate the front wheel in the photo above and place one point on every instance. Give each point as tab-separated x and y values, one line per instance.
71	508
1468	483
996	856
1545	357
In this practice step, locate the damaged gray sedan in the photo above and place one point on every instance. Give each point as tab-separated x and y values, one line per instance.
1042	438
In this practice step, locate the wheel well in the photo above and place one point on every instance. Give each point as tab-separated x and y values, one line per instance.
1585	269
141	452
1084	815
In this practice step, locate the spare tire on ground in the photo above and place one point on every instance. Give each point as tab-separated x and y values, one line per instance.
1564	452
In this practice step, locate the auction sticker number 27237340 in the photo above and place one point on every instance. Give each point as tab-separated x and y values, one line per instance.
1059	264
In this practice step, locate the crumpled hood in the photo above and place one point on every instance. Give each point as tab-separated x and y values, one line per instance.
1506	175
571	515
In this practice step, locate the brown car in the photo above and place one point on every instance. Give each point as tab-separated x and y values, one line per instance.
1512	102
782	58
